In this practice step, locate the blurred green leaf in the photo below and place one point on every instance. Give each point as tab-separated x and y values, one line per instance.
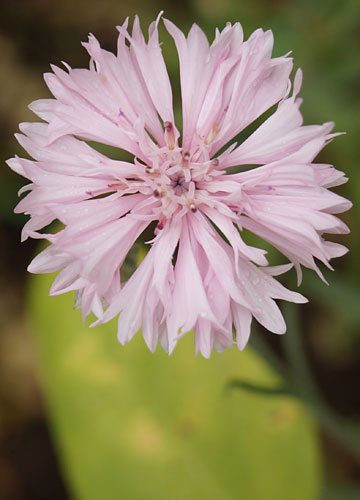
135	425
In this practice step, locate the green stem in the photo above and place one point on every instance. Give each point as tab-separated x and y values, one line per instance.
296	357
298	375
348	435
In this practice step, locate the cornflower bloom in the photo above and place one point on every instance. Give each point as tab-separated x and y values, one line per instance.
198	273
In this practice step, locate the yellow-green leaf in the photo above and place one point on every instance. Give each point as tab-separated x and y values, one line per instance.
132	425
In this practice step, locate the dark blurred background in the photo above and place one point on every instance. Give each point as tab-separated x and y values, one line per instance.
325	39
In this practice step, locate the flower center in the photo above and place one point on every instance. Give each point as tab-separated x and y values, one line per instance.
178	184
178	179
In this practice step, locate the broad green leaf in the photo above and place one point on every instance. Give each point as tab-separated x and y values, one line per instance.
129	424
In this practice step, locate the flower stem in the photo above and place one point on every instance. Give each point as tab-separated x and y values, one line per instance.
298	375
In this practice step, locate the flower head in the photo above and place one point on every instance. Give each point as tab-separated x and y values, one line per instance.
198	273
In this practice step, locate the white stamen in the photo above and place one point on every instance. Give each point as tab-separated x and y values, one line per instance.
212	134
193	207
169	135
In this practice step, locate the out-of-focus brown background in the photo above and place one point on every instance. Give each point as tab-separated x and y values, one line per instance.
325	39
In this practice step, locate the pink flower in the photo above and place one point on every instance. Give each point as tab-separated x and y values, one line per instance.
199	273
